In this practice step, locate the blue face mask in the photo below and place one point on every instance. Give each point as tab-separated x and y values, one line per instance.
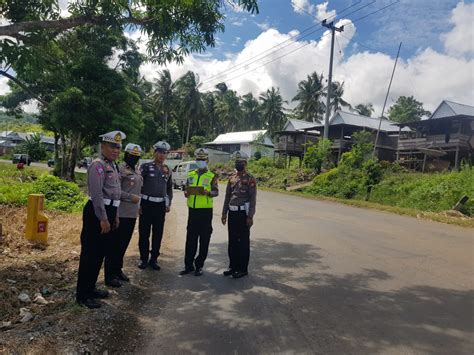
201	164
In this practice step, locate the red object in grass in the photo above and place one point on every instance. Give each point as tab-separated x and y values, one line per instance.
20	166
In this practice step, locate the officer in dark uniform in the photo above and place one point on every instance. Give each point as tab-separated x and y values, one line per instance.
201	188
100	219
131	183
239	208
157	194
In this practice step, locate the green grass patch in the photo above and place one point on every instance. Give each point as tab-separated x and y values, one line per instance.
16	185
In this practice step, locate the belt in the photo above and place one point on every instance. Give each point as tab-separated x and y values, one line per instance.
153	199
236	208
109	202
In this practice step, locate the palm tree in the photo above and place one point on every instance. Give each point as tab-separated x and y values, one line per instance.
162	96
187	90
229	111
364	109
251	112
273	112
309	94
337	102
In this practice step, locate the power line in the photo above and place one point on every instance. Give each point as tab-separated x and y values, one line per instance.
302	46
297	37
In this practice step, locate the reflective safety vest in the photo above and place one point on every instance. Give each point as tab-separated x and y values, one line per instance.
204	180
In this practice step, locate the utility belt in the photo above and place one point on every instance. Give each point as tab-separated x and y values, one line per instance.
153	199
109	202
245	207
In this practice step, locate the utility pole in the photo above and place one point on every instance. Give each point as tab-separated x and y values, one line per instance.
333	29
385	102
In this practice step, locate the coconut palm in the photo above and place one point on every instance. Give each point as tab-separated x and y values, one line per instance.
187	90
273	112
364	109
310	92
162	97
251	117
337	102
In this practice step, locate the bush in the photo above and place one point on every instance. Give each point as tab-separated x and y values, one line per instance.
59	194
317	154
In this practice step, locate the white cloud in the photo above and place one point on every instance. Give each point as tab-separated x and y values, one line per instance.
429	75
4	88
30	106
63	4
460	41
263	25
320	11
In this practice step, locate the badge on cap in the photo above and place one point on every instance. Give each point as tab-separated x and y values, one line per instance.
115	137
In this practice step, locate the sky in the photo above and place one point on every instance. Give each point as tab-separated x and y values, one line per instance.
285	42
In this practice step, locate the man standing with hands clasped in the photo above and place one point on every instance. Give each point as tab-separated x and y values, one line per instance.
201	188
157	193
239	208
100	219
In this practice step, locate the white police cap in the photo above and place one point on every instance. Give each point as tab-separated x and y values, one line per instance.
133	149
114	137
201	153
161	145
239	156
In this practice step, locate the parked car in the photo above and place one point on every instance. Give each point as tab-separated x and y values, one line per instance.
180	173
50	162
84	163
21	158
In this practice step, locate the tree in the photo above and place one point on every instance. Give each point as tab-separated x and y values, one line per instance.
163	97
33	147
229	111
273	112
187	90
251	115
364	109
310	92
407	109
337	102
317	154
174	28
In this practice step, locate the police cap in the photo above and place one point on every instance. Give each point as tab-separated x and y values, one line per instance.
239	156
114	137
133	149
201	153
161	146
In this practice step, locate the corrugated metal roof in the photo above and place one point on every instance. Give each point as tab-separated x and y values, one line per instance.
449	108
354	119
238	137
297	125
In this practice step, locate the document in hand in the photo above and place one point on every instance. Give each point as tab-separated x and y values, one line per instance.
195	190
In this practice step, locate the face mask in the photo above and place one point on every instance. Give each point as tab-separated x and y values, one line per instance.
131	160
201	164
239	166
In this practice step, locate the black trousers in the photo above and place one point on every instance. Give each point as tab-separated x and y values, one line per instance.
152	219
114	259
94	247
239	241
199	230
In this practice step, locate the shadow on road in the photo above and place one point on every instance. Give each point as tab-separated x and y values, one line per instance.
291	303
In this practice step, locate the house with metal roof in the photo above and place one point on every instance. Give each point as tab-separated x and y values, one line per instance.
249	142
292	140
10	139
439	142
343	125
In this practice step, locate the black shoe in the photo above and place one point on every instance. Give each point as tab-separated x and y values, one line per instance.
113	283
186	271
228	272
198	272
142	265
154	265
98	293
239	274
89	303
122	277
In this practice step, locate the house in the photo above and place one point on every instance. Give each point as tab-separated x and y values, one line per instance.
10	139
442	140
292	140
249	142
343	125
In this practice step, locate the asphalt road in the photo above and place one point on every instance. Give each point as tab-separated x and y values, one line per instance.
324	278
43	166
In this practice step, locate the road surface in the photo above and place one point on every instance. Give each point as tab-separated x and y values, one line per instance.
325	278
43	166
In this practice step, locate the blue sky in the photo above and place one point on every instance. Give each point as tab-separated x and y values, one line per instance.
417	23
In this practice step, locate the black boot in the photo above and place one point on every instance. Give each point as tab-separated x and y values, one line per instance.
143	264
89	303
122	277
228	272
154	265
113	283
98	293
187	271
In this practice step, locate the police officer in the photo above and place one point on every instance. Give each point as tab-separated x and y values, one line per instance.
100	218
131	183
201	188
157	194
239	208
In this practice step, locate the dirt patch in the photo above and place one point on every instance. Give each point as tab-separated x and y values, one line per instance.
27	271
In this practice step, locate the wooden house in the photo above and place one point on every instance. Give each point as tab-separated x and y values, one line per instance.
442	140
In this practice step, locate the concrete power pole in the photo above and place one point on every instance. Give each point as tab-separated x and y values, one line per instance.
328	99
